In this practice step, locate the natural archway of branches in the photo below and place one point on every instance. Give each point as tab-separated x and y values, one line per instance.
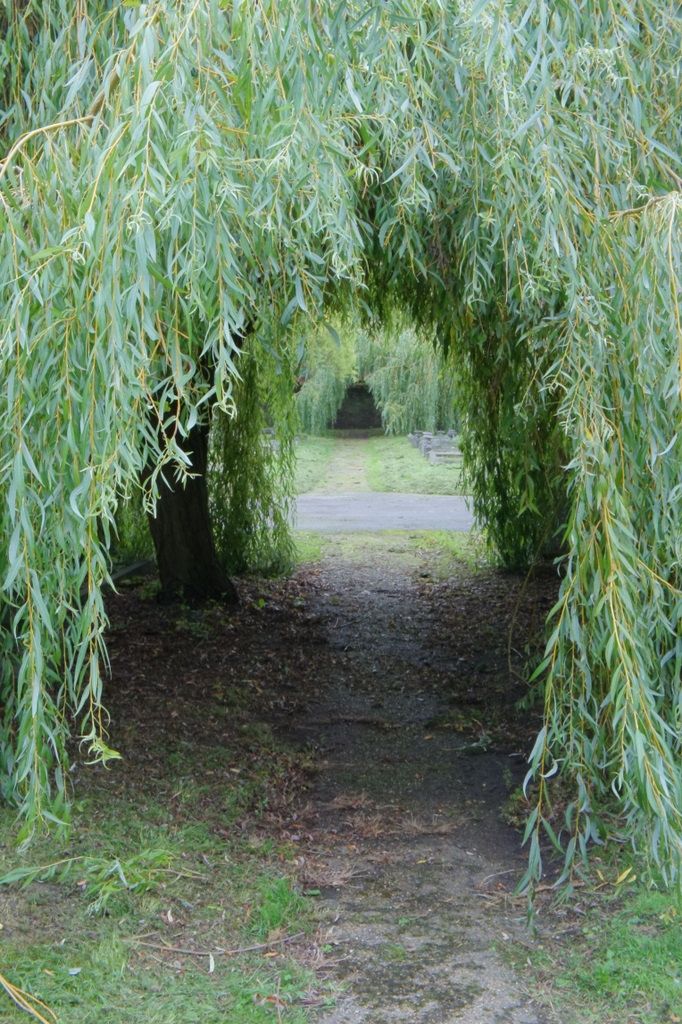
188	186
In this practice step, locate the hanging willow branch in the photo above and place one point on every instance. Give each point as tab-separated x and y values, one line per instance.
33	1007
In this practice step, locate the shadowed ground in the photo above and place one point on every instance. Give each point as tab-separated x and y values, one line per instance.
417	749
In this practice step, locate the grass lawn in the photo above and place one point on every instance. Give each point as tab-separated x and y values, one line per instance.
309	547
449	552
108	937
312	457
394	465
622	963
95	939
391	463
172	897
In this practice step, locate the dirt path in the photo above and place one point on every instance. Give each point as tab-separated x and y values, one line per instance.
416	753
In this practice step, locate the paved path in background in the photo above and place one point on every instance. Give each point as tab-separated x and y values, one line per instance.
357	511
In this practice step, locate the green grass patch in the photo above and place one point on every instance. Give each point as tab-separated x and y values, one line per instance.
312	457
442	552
391	463
278	904
113	922
104	980
454	546
383	547
394	465
625	963
309	547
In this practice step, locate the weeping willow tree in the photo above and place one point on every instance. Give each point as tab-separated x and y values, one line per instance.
553	234
410	378
179	178
251	467
412	381
155	214
329	365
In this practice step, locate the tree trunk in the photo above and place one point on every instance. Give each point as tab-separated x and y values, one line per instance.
181	530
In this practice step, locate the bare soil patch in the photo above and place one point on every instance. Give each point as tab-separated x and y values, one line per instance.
418	742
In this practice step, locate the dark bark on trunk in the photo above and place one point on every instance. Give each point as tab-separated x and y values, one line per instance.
188	564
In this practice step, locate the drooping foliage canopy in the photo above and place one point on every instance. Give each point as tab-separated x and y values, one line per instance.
177	177
251	468
410	377
328	365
